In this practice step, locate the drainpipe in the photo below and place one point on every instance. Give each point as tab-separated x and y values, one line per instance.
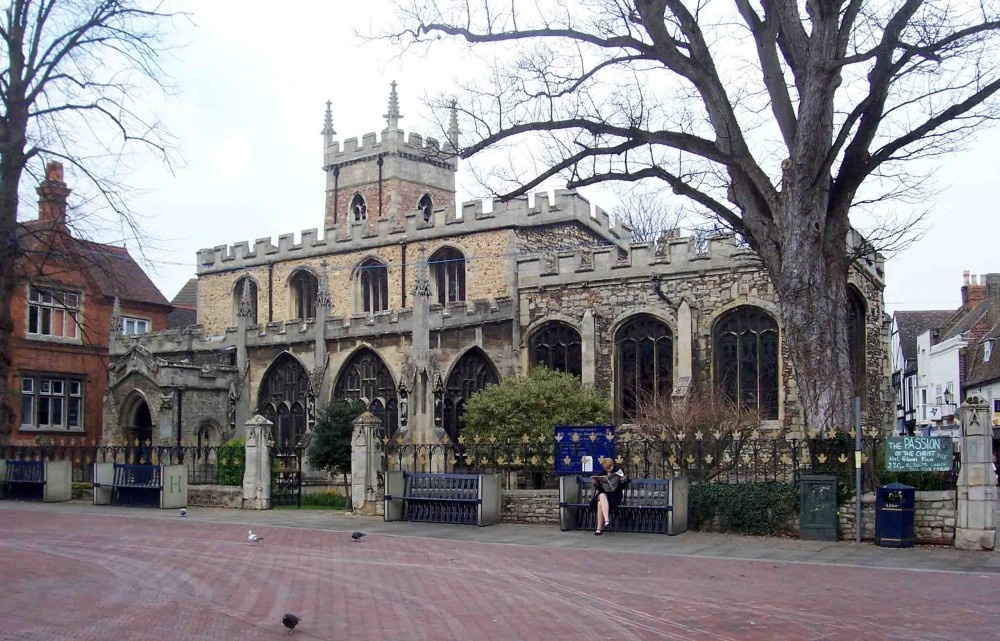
402	286
270	292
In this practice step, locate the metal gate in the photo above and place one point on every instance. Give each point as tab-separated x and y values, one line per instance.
286	477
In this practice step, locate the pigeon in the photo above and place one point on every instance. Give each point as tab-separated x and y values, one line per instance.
289	621
253	538
357	536
184	512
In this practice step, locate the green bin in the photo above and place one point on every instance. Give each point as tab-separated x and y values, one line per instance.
818	508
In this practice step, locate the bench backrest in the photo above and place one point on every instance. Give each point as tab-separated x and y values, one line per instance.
637	492
440	486
26	471
142	475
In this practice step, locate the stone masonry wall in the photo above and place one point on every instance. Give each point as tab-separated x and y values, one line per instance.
530	506
215	496
486	278
934	518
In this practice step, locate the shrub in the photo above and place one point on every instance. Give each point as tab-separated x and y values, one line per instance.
533	405
331	500
231	462
756	508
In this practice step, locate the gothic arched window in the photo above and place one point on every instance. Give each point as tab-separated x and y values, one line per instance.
644	349
556	346
471	373
447	266
366	378
856	340
238	298
358	208
283	399
303	286
372	286
746	359
426	208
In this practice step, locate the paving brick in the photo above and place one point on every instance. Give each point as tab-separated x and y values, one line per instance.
82	574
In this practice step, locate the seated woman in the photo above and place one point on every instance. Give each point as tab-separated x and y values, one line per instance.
610	487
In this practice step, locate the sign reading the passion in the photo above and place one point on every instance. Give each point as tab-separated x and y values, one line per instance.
919	454
578	447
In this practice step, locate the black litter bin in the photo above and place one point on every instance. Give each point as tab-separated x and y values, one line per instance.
895	504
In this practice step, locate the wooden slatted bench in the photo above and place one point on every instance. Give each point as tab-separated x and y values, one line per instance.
648	505
162	486
48	481
468	499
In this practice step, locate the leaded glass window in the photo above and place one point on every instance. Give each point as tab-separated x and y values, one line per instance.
644	349
373	280
304	286
746	360
556	346
447	267
471	373
366	378
283	399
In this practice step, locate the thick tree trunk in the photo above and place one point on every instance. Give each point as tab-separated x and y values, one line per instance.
10	174
812	291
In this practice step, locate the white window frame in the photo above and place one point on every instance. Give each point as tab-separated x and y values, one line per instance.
57	397
53	314
134	322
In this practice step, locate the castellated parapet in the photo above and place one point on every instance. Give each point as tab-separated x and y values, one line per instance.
195	338
567	207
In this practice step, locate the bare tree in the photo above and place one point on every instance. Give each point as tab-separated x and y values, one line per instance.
648	215
776	117
76	77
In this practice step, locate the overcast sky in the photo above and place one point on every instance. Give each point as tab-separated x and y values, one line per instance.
251	91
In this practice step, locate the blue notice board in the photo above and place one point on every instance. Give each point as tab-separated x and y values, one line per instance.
578	447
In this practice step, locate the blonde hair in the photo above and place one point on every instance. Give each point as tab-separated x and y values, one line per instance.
607	463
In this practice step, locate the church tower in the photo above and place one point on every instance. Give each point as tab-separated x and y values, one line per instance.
388	178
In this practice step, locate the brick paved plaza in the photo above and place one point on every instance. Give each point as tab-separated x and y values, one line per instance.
68	572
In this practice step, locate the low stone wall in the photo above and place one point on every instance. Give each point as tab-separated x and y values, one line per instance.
934	518
530	506
215	496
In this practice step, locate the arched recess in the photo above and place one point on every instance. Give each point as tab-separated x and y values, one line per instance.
365	377
284	400
238	298
856	340
447	267
359	209
470	373
644	364
208	434
136	420
746	350
557	346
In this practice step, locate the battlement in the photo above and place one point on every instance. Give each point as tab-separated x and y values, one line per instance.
566	206
390	141
195	339
669	255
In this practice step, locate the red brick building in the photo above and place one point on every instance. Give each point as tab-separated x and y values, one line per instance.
63	310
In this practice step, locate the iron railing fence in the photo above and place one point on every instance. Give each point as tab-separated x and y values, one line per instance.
529	462
206	465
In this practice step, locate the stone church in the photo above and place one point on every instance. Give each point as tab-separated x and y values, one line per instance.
412	302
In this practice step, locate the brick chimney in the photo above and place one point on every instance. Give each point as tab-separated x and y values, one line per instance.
973	292
52	195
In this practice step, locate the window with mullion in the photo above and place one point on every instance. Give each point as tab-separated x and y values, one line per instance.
50	403
53	313
746	360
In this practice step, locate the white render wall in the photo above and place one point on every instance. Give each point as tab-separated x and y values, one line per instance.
937	371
